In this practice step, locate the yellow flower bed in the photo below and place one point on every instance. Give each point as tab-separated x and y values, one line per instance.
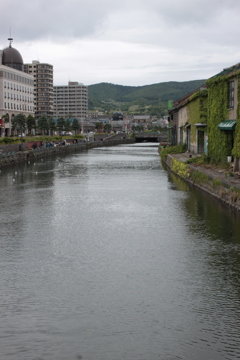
180	168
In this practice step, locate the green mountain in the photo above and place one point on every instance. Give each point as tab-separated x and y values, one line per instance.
148	99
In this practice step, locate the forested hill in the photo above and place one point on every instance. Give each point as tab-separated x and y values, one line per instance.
129	98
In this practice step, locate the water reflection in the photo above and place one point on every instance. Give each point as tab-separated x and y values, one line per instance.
214	236
208	214
106	255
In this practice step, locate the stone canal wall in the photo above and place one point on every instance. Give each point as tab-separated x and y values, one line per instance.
10	154
219	183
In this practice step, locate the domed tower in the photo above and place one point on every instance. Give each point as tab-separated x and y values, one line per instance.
17	89
12	57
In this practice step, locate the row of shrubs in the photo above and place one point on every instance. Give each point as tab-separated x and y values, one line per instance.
177	149
17	140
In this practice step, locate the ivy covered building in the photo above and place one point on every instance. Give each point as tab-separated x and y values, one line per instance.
188	121
208	119
223	115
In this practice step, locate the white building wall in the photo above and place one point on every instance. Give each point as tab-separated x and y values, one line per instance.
71	101
43	87
182	120
16	93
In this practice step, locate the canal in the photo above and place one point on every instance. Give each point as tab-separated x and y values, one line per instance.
105	255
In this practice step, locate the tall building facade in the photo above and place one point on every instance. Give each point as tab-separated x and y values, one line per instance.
43	87
71	101
16	89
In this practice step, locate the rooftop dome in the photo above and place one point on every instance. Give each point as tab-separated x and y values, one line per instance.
12	58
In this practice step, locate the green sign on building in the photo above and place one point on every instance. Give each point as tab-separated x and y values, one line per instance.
170	104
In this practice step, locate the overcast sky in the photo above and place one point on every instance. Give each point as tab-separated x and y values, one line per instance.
126	42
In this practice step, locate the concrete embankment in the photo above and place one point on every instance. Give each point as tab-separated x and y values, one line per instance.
10	155
219	183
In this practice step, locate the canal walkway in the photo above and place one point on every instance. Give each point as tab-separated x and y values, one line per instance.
223	184
228	177
12	158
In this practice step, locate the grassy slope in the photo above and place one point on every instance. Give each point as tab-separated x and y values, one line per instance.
172	90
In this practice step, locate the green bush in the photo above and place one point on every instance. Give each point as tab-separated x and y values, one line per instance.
132	135
18	140
196	160
7	140
172	150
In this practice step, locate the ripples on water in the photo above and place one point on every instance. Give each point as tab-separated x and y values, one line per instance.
104	255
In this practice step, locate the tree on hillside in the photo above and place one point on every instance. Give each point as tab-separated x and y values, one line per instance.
156	110
31	123
42	124
19	123
75	126
125	107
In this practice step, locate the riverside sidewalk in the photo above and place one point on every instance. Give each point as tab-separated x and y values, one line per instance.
223	184
227	176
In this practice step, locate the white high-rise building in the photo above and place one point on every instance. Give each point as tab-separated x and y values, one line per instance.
43	87
71	101
16	89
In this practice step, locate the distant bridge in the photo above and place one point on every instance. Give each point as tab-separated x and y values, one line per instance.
151	136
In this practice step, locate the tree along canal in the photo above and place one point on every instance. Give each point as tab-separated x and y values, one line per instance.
105	255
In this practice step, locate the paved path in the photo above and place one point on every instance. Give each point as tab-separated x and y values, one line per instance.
213	171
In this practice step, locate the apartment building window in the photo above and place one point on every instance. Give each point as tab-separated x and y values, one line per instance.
231	94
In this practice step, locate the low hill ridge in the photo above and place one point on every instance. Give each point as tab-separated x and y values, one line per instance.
107	96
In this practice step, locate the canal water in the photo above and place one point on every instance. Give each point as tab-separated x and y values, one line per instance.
105	255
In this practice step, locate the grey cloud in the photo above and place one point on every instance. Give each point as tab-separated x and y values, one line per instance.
198	12
53	19
65	19
160	39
